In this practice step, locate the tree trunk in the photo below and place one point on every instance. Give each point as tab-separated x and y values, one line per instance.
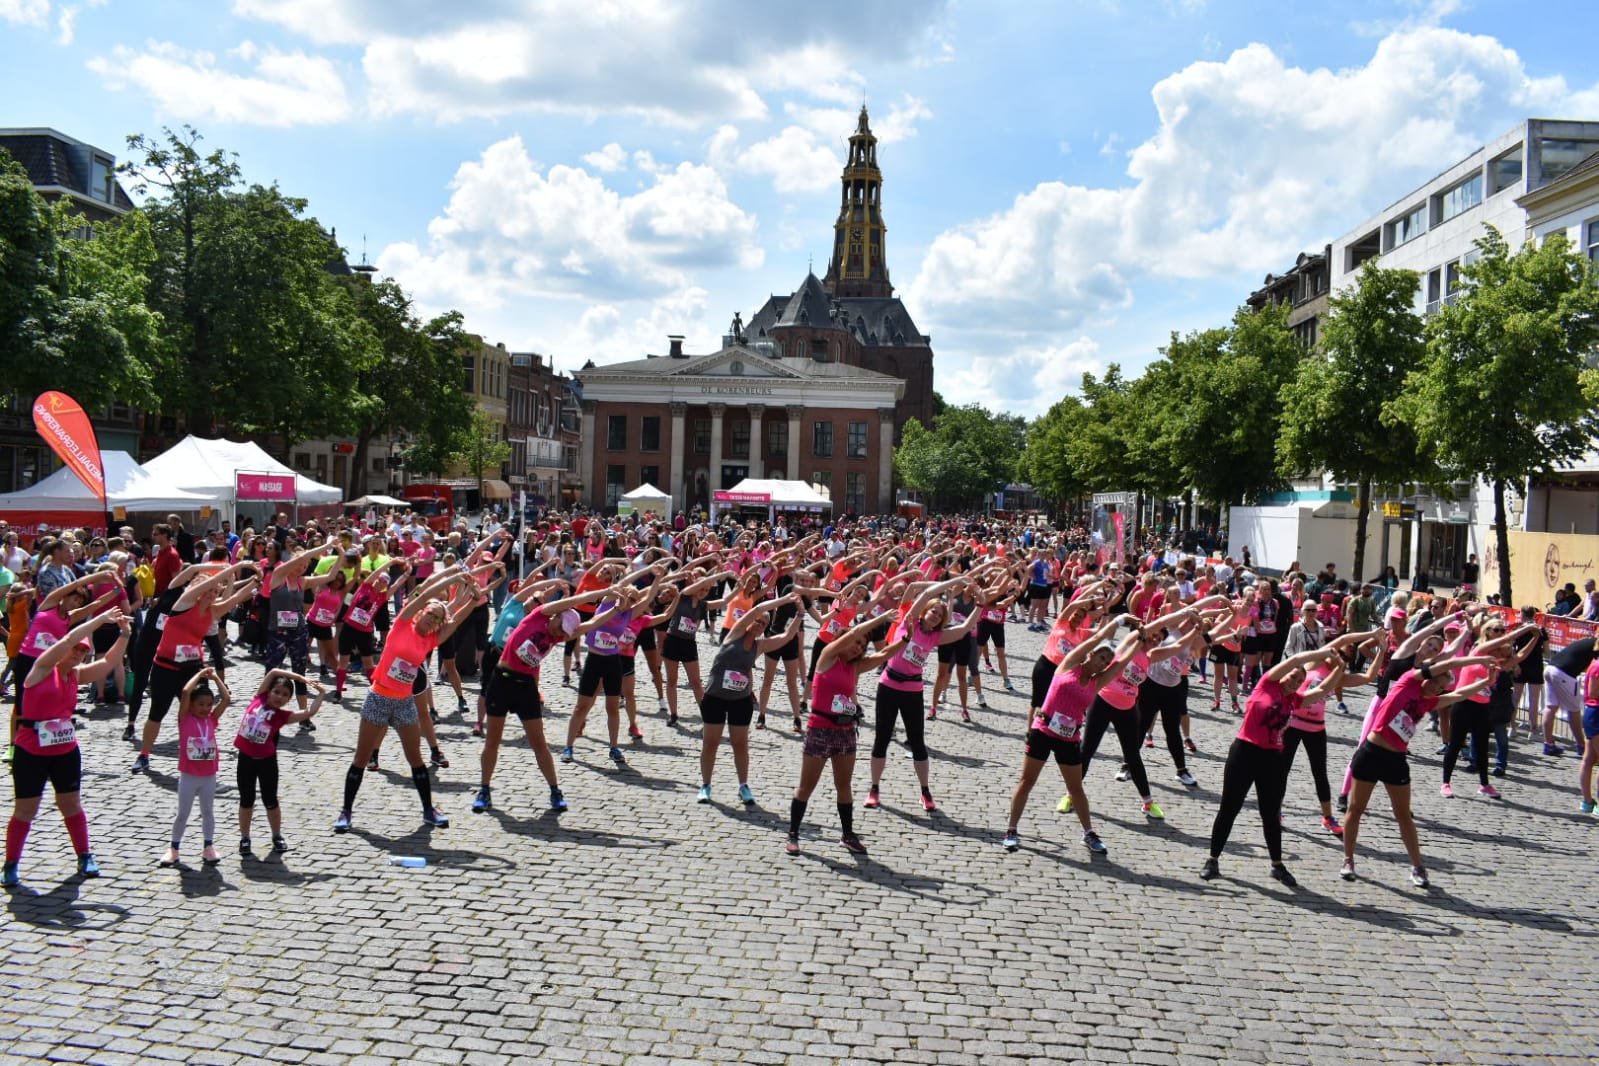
1362	517
1188	510
1134	542
358	465
1502	543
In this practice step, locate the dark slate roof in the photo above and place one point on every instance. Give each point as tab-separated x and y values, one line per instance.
875	320
48	161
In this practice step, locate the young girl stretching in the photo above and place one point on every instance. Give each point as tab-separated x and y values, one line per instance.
198	711
257	746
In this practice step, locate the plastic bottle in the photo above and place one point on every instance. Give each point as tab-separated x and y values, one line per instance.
412	862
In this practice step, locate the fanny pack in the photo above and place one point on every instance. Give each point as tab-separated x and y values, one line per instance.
901	676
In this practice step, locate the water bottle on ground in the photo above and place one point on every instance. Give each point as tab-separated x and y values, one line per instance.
411	862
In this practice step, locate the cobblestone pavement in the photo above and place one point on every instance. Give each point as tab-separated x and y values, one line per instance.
641	927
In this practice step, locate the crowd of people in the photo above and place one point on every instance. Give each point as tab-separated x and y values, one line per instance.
385	613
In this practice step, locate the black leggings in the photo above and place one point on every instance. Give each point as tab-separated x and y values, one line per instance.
1102	716
906	706
1469	719
253	771
1316	751
166	686
1170	702
1249	766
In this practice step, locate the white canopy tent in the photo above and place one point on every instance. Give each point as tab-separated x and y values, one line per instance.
127	485
772	494
645	498
376	500
211	468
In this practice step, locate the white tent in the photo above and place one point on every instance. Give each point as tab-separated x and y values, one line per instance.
210	467
376	501
127	485
645	498
772	494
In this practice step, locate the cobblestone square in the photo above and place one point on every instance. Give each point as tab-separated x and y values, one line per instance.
641	927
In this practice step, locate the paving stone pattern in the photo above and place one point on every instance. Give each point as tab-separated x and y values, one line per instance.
642	928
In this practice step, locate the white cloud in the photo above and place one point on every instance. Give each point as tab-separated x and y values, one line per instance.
1252	161
1026	380
281	89
794	159
898	123
26	12
671	63
513	231
66	25
611	158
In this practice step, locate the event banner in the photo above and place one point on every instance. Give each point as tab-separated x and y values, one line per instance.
727	496
272	488
61	422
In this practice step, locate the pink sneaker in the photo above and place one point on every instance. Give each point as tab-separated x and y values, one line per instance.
1488	791
1447	792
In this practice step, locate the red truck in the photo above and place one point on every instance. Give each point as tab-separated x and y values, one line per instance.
435	502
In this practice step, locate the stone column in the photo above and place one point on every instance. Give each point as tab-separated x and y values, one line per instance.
674	479
585	454
757	463
794	412
715	479
885	460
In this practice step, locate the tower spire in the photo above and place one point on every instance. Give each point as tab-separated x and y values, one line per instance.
859	265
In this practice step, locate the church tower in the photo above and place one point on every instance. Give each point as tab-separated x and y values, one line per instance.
859	266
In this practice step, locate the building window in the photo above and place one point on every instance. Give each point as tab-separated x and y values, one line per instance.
857	440
1590	239
1560	156
469	376
1462	197
649	434
616	433
1406	228
702	436
1505	172
822	440
777	439
100	178
855	493
615	483
741	439
650	475
302	460
822	478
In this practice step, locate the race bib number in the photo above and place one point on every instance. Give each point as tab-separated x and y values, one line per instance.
186	653
1267	625
529	654
160	622
201	749
833	628
323	617
738	613
845	707
994	616
735	681
288	619
687	626
403	671
256	726
605	642
361	616
957	620
916	654
1403	727
55	731
1065	727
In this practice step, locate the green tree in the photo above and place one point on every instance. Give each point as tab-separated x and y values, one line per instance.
1332	409
479	447
1045	461
1504	390
968	453
415	388
72	310
259	335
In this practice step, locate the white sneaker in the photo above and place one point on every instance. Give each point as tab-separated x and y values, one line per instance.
1187	778
1123	775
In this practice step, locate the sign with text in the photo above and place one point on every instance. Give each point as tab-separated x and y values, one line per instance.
63	425
724	496
273	488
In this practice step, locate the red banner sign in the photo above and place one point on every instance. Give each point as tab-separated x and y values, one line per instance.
273	488
61	422
724	496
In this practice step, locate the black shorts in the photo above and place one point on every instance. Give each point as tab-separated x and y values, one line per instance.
513	692
447	646
1259	644
1043	674
1041	745
1372	763
956	652
1224	656
104	637
879	633
601	670
353	641
787	653
679	649
715	710
491	659
1038	592
991	632
646	639
629	665
320	632
29	772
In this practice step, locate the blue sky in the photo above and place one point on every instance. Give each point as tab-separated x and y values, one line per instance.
1065	183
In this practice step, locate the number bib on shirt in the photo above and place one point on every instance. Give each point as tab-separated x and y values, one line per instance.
845	707
1403	726
734	681
605	642
201	749
186	653
1267	625
160	622
529	654
361	616
55	731
256	726
1065	727
322	616
42	642
403	671
915	654
288	619
687	626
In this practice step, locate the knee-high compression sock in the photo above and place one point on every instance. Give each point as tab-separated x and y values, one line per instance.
78	830
16	837
846	817
796	815
424	786
352	785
